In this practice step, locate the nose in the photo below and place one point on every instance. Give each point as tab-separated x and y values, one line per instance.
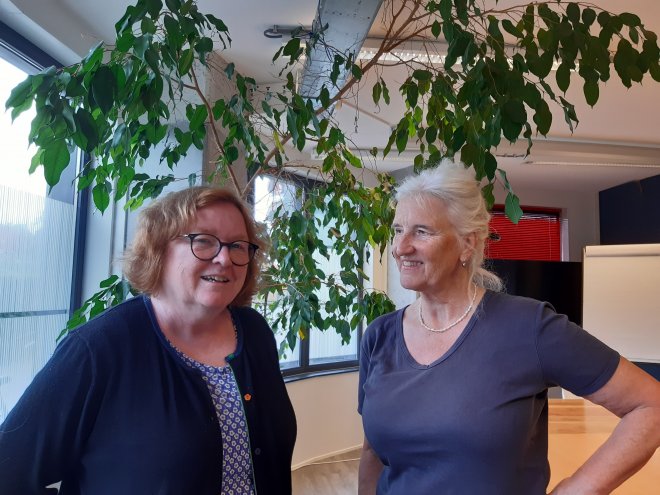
401	245
223	256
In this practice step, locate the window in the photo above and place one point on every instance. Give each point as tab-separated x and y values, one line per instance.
37	238
321	351
537	236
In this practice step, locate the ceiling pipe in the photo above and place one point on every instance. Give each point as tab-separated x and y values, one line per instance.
345	24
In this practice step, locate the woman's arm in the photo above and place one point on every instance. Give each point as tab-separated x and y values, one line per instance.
634	396
370	469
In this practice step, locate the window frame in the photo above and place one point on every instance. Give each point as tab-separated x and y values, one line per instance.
29	57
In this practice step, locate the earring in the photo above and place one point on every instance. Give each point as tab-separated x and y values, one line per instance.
463	263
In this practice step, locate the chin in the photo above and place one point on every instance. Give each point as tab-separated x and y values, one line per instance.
410	285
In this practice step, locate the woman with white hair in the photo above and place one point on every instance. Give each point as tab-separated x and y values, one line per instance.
453	387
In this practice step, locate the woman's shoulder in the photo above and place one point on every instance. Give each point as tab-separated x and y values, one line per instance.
385	324
122	318
510	302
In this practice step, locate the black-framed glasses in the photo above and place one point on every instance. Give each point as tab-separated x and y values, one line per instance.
205	247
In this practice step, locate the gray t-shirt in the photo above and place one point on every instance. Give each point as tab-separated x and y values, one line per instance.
476	420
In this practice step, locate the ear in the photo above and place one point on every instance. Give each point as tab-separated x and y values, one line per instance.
469	246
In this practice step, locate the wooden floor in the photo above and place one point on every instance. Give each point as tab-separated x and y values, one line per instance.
576	430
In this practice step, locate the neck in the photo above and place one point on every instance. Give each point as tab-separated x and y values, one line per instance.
452	313
186	323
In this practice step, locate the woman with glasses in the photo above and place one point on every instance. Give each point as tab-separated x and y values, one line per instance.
175	391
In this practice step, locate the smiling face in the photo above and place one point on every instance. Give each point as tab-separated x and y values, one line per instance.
426	246
189	283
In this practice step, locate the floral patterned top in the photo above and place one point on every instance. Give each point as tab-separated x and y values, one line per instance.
237	476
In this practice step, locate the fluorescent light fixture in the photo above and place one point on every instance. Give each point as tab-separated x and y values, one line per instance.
431	52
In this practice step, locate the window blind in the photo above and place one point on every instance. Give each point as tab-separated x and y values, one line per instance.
537	236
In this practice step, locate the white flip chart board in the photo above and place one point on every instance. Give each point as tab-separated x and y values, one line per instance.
621	298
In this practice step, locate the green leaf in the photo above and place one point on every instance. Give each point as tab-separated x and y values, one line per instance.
588	16
19	95
631	20
386	92
324	96
217	23
87	127
422	75
515	111
487	193
543	117
186	61
356	70
125	41
431	134
101	195
591	92
108	282
401	138
573	13
140	45
37	160
494	30
198	117
490	165
470	154
512	208
148	26
231	154
204	46
94	57
291	48
563	76
436	28
104	88
173	5
510	28
229	70
445	10
654	70
376	92
411	94
56	157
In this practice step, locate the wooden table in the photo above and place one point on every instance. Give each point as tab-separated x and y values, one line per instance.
576	429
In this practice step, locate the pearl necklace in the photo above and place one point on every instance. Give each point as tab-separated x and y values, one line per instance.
451	325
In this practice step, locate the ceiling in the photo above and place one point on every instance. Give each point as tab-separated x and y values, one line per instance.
615	142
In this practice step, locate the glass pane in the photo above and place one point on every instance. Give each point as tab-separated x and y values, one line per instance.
36	248
269	194
327	346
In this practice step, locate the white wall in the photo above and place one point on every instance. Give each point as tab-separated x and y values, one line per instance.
326	411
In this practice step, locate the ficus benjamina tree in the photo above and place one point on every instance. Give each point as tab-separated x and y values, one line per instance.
504	67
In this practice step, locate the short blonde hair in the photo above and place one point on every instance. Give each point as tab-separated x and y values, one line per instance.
168	217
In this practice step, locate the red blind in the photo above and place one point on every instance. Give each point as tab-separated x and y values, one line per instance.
537	236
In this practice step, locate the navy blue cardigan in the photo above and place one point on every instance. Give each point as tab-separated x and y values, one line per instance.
115	410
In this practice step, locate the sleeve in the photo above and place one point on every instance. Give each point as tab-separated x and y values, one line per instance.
570	356
43	436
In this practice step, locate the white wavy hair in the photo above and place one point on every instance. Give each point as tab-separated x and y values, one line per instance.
458	189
